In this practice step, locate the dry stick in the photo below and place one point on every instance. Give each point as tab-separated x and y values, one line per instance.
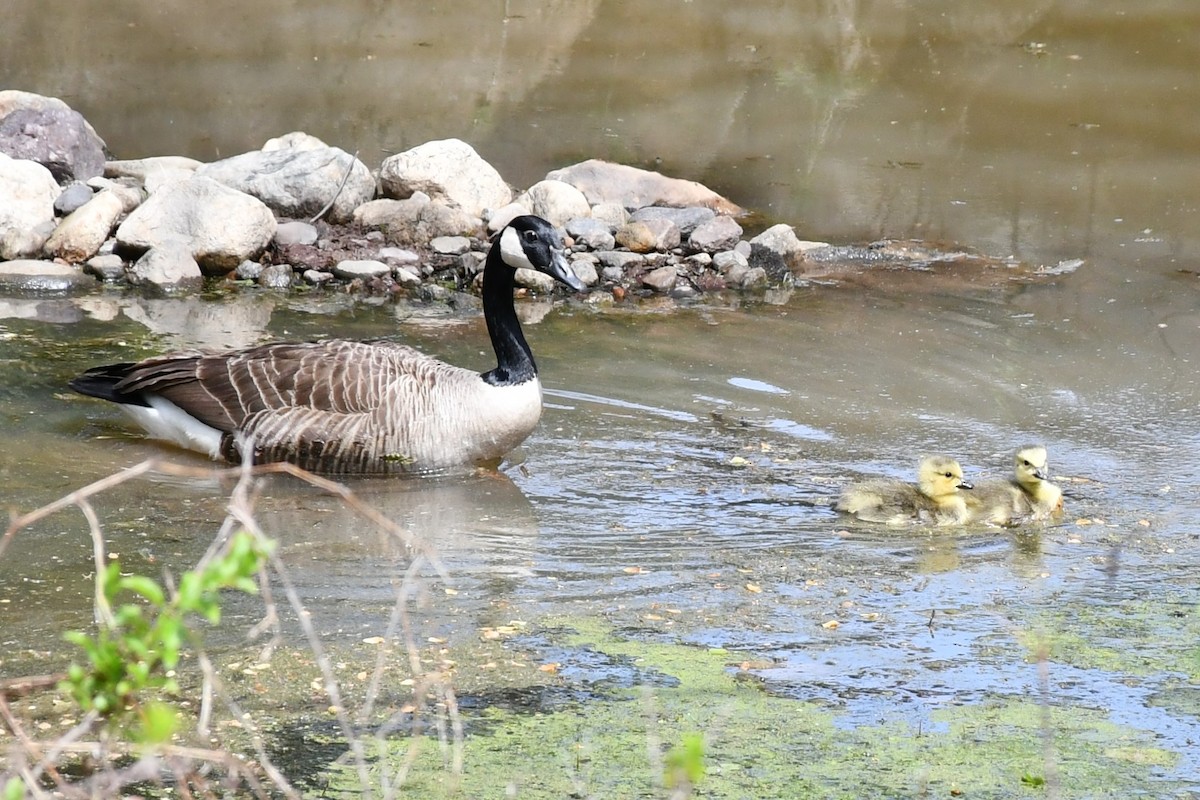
342	185
102	610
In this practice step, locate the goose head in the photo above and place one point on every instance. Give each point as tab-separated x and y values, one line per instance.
940	478
1029	465
531	242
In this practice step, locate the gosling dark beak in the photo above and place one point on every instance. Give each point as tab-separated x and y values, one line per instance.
966	485
1041	475
560	270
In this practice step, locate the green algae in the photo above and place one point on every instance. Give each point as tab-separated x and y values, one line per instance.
741	741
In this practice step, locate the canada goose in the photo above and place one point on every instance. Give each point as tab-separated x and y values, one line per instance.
351	407
934	499
1029	495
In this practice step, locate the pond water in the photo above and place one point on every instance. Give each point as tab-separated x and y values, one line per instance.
688	453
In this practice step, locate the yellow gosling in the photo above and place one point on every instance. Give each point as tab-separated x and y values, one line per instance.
1028	496
936	498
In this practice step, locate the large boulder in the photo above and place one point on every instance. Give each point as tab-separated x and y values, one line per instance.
298	181
631	187
27	194
78	237
218	226
447	169
48	131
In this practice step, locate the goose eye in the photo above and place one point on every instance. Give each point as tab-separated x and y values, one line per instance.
531	236
949	474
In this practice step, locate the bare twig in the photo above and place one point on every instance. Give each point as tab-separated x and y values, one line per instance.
341	186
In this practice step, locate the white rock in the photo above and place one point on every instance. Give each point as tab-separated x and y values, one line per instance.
27	194
218	226
450	169
366	268
539	282
153	172
297	182
295	232
612	213
504	215
555	201
168	268
450	245
78	237
296	140
585	270
406	277
606	182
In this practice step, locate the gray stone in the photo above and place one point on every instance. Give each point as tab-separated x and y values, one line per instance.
218	226
591	233
406	277
719	233
555	201
606	182
365	268
155	172
743	247
48	131
779	251
686	219
317	277
585	270
662	279
619	259
168	268
450	245
27	194
649	235
276	276
131	193
726	260
79	237
612	214
398	255
106	267
295	232
533	280
417	220
248	270
471	263
753	278
72	197
298	182
698	262
296	140
42	277
448	169
612	274
500	218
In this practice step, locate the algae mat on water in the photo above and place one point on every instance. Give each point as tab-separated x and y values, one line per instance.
693	717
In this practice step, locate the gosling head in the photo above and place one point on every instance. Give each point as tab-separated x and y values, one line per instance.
940	478
1029	465
531	242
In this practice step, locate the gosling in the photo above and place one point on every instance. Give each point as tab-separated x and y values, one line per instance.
935	499
1028	496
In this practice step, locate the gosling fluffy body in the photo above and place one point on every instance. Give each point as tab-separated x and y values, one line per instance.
936	498
342	406
1027	496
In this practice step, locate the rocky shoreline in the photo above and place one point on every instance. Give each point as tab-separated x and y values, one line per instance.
299	213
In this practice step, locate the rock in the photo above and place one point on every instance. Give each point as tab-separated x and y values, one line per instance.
296	140
471	263
500	218
662	279
72	198
218	226
390	213
606	182
417	220
612	274
297	182
106	268
778	251
41	277
155	172
700	262
351	269
728	259
168	268
591	233
398	256
317	277
619	259
295	232
753	278
555	201
648	236
612	214
585	270
48	131
276	276
131	195
78	237
248	270
449	169
27	195
719	233
686	219
406	277
533	280
450	245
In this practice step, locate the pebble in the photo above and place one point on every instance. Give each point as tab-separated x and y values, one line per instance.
351	269
661	280
72	197
295	232
317	277
450	245
106	267
276	276
248	270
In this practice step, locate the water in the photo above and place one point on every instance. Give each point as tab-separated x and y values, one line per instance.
687	452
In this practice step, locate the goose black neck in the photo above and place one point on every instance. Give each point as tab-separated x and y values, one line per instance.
514	361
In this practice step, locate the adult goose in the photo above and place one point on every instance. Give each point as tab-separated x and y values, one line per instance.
935	499
348	407
1029	495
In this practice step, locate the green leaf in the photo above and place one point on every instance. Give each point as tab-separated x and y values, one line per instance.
14	789
157	723
146	587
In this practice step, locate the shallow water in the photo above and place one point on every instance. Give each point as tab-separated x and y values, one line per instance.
689	452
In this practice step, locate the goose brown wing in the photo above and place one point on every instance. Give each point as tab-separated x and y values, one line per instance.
335	377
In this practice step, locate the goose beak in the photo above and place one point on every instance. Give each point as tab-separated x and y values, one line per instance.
1040	474
965	485
560	270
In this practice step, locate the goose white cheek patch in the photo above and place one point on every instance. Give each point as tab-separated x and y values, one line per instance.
511	250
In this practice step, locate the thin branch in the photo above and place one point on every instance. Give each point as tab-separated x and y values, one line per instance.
341	186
